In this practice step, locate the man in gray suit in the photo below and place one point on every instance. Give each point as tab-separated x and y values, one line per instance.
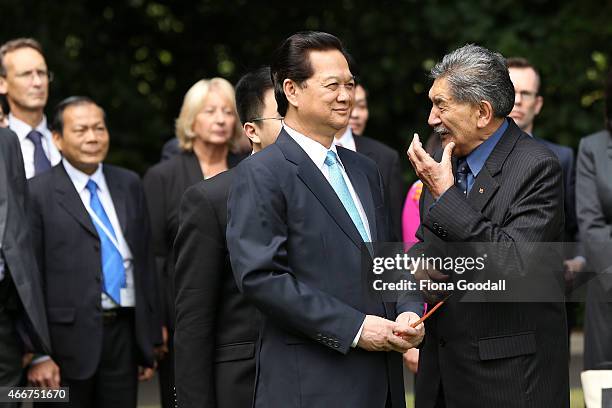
21	308
492	184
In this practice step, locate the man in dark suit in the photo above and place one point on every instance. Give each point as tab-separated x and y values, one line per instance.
216	329
388	164
91	238
386	158
24	81
508	189
299	213
21	302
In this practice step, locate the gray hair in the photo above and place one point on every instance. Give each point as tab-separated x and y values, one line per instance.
475	74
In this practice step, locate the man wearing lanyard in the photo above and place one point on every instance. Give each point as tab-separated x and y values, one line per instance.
91	238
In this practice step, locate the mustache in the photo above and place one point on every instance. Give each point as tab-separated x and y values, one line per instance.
440	130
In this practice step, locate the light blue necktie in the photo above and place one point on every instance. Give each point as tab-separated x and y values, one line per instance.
339	185
112	261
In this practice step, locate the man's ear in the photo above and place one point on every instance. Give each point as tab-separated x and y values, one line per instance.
538	104
485	114
57	140
3	85
291	90
250	130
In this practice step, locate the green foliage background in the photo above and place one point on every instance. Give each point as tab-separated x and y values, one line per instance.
138	57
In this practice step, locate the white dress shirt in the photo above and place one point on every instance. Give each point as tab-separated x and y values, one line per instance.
317	153
80	179
22	130
346	140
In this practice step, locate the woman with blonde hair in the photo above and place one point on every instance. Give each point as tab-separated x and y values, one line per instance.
208	131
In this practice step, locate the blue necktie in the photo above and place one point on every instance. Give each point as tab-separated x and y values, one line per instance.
41	162
463	170
112	261
339	185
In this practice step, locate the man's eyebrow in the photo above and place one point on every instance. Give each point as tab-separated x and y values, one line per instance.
337	78
438	99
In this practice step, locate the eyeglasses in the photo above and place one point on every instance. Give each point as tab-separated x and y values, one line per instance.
261	119
30	75
525	95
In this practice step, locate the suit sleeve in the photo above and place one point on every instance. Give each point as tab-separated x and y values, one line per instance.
200	261
257	238
532	216
155	194
153	288
595	232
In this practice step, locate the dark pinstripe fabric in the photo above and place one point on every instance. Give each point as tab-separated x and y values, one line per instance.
498	354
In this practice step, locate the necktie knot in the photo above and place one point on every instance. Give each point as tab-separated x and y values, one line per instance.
330	158
35	136
92	187
463	167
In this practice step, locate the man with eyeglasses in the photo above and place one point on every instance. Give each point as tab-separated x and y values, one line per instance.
24	79
527	105
216	328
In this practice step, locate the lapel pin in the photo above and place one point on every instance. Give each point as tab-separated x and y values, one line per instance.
481	190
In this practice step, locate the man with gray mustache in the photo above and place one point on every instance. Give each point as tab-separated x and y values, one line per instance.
492	184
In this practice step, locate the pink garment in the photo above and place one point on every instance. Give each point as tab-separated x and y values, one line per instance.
410	214
411	219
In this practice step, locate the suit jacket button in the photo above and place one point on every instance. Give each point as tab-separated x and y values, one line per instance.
98	279
442	342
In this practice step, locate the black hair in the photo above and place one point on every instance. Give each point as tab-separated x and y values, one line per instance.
250	93
292	60
58	118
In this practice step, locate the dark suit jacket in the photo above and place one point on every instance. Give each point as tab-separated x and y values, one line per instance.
594	204
388	162
566	159
164	185
15	240
216	329
296	255
67	249
497	354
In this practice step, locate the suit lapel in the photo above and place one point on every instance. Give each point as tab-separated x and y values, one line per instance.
312	177
69	199
191	167
118	195
485	186
362	188
483	189
362	148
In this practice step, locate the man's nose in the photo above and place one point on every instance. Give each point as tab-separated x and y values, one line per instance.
434	118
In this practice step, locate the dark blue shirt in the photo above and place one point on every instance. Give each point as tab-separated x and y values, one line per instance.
478	157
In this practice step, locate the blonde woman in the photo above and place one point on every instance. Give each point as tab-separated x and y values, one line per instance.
208	131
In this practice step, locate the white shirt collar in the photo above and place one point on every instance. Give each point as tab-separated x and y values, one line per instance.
315	150
80	179
346	140
22	129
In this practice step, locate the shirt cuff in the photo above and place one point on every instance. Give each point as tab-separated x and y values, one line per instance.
354	344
